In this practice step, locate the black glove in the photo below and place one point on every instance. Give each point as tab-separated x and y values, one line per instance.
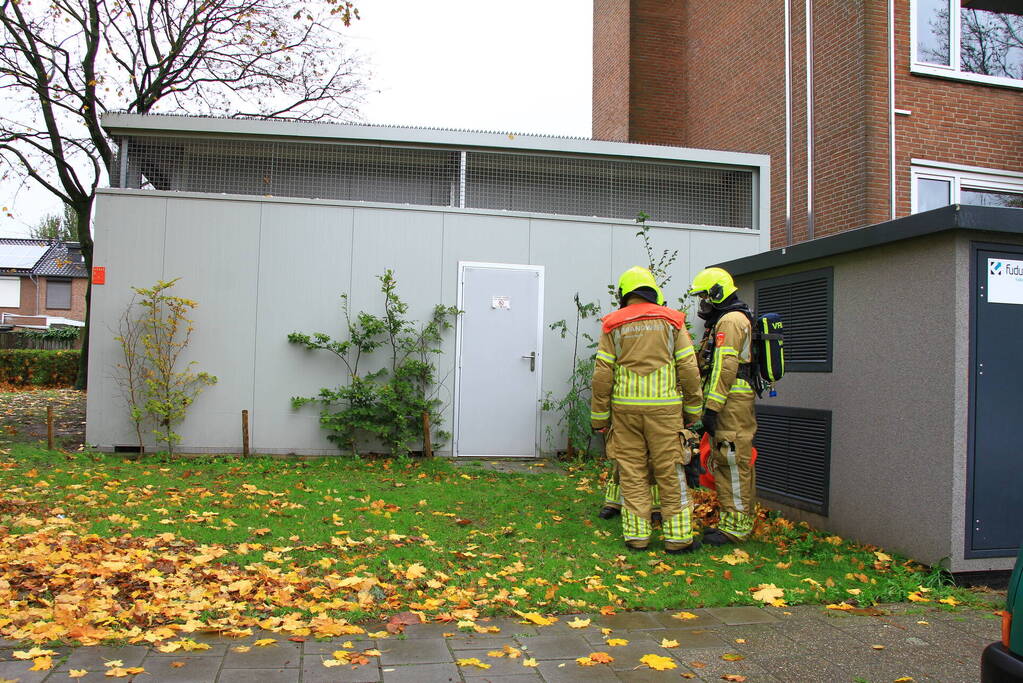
693	471
710	421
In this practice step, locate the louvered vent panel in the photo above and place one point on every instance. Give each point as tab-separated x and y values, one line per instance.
794	456
804	302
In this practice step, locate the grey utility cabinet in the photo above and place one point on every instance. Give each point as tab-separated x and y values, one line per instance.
899	420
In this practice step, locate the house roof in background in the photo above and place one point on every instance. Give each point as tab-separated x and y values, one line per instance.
41	257
21	255
64	259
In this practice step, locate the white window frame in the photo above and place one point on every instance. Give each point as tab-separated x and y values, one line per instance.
960	176
952	71
6	290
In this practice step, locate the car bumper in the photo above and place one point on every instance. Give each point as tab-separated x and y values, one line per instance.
998	665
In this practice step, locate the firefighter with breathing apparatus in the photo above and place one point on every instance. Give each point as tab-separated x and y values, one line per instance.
729	416
646	388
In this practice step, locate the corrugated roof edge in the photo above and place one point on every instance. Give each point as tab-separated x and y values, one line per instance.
124	124
954	217
399	126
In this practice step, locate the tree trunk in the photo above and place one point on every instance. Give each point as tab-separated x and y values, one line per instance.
84	213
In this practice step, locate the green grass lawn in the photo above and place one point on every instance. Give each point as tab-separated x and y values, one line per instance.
357	538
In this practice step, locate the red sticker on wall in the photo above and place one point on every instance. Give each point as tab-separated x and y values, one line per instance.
99	275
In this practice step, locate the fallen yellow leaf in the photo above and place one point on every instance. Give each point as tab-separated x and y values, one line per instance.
769	593
265	642
950	601
415	571
44	663
473	661
579	623
665	643
658	663
33	653
617	642
684	616
737	556
529	661
536	618
77	673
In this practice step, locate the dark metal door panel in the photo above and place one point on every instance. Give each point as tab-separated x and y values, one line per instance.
995	495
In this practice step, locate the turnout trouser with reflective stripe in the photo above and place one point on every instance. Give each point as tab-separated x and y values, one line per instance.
613	490
731	463
647	442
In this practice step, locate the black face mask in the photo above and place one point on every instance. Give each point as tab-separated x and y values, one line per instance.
710	312
706	309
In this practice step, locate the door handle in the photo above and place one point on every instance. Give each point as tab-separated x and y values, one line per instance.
532	361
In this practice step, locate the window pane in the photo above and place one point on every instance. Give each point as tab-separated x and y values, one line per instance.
932	31
992	43
991	198
932	194
58	294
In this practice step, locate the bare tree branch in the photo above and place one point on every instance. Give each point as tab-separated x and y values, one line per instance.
64	63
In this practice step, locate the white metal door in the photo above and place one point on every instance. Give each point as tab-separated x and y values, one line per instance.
498	373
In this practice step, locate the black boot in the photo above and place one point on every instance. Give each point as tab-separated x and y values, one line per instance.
655	518
716	537
607	512
692	547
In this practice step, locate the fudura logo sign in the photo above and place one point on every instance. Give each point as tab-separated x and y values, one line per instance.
1004	281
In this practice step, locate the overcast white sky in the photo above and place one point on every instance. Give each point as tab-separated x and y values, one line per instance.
477	64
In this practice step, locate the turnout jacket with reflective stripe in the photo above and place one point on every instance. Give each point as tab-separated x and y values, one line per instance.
731	338
645	360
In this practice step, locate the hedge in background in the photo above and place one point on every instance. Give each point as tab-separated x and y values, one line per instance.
38	367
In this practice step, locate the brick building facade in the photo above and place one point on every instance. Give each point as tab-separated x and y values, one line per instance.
715	75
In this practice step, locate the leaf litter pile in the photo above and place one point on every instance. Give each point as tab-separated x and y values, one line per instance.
97	549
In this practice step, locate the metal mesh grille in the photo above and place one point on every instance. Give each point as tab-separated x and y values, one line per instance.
674	193
535	183
398	175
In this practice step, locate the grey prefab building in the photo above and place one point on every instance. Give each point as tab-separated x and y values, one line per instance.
266	224
898	420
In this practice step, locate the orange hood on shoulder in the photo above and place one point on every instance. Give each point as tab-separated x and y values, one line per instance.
646	311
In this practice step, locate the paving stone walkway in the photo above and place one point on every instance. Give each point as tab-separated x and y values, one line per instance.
804	643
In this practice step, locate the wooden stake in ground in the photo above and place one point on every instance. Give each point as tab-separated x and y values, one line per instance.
245	432
49	427
427	441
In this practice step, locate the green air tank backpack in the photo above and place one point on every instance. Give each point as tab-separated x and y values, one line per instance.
768	348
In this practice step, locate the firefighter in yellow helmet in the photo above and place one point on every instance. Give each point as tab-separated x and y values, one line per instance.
728	415
644	382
